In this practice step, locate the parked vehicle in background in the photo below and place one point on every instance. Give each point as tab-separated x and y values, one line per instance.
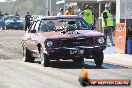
14	22
2	23
62	37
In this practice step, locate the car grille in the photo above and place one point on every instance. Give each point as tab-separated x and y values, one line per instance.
76	42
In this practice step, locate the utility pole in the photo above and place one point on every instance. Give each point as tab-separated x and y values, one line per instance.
46	7
110	5
50	6
99	18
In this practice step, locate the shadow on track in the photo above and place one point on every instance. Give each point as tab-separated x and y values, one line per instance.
86	65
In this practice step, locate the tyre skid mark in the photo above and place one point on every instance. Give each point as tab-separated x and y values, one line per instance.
41	72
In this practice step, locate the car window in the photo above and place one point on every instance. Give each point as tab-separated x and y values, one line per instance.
43	26
62	23
12	18
51	25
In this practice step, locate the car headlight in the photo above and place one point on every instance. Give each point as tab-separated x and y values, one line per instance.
49	43
101	40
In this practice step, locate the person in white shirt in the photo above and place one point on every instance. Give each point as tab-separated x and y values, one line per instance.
61	12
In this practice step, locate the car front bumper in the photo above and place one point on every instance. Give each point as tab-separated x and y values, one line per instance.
78	51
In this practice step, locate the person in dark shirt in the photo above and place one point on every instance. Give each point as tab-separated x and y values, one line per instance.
28	18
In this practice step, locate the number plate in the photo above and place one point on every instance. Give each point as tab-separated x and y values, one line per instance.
77	51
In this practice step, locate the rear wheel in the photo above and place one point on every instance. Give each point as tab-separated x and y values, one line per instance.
98	58
27	55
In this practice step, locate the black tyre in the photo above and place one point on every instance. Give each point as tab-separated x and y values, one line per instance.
98	58
6	28
3	28
27	55
16	29
45	61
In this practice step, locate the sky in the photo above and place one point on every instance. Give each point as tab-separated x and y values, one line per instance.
2	0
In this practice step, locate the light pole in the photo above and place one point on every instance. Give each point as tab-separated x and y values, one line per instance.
50	6
46	7
110	5
100	18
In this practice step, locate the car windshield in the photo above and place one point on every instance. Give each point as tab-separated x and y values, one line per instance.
12	18
62	24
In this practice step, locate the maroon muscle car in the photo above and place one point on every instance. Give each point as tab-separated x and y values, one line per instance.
62	37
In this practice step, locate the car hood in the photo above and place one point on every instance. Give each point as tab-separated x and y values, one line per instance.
76	34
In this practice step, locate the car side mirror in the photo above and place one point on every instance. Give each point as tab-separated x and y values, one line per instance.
33	31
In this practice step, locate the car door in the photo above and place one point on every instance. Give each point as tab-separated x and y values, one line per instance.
34	37
28	36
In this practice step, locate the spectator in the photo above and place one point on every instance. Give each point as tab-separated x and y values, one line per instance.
28	18
6	15
69	11
61	12
49	13
88	15
107	23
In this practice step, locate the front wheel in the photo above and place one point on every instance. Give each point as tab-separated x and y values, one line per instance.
98	58
44	59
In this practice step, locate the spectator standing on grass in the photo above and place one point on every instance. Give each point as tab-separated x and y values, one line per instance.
107	23
28	18
88	15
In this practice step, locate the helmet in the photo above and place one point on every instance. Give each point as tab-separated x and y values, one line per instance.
61	9
88	6
107	5
69	7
